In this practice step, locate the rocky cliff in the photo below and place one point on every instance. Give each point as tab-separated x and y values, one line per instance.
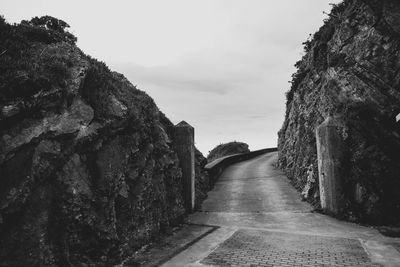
350	70
87	170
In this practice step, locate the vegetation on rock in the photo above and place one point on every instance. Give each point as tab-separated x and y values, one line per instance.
350	70
227	149
88	173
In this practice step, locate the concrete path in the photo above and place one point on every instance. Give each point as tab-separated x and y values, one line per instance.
263	222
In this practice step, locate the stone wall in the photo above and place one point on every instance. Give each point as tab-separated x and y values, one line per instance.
350	70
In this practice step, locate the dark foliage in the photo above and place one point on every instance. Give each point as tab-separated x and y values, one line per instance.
47	29
27	62
227	149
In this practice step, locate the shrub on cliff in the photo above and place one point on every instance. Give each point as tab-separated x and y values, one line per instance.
30	59
47	29
227	149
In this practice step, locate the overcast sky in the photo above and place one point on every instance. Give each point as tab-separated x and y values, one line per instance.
221	65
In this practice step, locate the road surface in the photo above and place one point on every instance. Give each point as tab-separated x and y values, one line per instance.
261	221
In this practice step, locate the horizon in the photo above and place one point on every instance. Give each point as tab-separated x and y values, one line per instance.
222	66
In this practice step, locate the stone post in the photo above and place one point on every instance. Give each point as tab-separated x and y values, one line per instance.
184	147
330	151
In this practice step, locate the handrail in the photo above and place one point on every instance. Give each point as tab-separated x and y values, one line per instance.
216	167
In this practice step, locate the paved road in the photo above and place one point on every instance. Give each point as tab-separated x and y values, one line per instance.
263	222
254	186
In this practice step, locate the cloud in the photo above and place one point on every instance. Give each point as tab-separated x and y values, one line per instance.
173	79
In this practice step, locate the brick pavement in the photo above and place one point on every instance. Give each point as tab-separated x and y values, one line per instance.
264	248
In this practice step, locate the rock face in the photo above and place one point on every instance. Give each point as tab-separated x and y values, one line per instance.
202	181
227	149
350	70
87	169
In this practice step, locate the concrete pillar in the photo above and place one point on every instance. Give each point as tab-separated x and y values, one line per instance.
330	151
184	147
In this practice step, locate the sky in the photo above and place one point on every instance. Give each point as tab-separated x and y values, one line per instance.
223	66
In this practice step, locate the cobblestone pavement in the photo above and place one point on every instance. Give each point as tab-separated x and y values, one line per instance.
263	248
396	246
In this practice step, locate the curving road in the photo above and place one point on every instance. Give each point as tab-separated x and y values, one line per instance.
261	221
254	186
